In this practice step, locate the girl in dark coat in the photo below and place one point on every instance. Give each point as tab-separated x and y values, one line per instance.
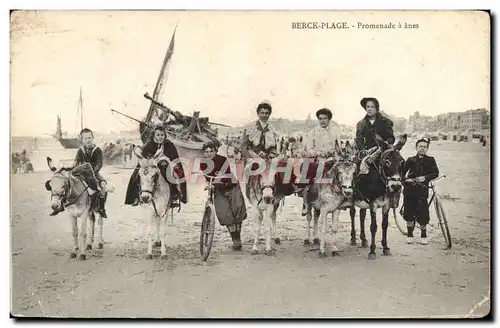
157	140
228	201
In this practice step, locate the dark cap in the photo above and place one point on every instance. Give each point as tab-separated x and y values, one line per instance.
367	99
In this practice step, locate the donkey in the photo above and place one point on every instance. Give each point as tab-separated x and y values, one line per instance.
155	191
379	188
325	198
263	193
73	193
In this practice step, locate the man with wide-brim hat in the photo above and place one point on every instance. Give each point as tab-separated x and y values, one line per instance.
319	143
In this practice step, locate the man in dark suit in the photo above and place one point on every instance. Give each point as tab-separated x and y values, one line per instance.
420	169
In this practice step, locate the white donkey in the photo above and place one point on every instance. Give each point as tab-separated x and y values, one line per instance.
327	196
155	191
73	193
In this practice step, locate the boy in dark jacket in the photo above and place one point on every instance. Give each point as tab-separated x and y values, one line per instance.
91	154
420	169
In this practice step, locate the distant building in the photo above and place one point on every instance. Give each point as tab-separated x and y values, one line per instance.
475	120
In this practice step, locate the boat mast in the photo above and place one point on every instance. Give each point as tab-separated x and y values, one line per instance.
160	81
80	104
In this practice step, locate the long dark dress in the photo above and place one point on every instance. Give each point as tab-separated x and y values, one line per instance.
228	201
149	151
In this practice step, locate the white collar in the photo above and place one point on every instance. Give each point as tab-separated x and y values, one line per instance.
263	124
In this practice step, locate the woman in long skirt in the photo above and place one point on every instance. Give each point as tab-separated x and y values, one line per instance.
228	201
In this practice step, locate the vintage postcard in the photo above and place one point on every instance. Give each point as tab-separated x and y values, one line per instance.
250	164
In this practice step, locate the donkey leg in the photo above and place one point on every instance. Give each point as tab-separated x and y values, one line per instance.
100	244
352	213
335	217
362	235
385	225
322	221
163	246
149	254
269	232
83	235
373	230
274	231
256	221
315	227
157	241
90	232
307	240
74	228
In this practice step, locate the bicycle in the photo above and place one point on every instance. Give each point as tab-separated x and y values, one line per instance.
438	207
208	222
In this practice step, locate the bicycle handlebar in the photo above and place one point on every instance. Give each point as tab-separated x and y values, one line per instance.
431	186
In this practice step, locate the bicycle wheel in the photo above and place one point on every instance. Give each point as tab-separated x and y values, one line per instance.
400	222
207	232
443	222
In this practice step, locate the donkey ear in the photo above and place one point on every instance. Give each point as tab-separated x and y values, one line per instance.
138	152
158	153
401	142
47	185
49	163
349	148
338	150
381	142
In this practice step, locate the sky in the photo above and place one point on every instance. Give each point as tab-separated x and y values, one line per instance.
225	63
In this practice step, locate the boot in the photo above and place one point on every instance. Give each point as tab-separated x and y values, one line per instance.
236	237
55	212
101	202
409	238
423	236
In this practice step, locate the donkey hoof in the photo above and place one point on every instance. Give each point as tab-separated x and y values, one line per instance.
149	256
83	257
353	242
307	242
364	244
277	241
316	241
157	243
322	254
372	256
88	247
100	246
72	255
270	252
254	252
387	252
163	257
335	253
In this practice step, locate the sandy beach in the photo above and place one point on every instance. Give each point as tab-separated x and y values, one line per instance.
416	281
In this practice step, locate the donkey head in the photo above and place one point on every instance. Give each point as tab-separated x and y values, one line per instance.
392	163
59	185
149	173
344	168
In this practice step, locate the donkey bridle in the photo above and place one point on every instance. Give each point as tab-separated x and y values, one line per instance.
67	191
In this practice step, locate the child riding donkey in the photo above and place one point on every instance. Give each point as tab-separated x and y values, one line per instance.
266	189
90	154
